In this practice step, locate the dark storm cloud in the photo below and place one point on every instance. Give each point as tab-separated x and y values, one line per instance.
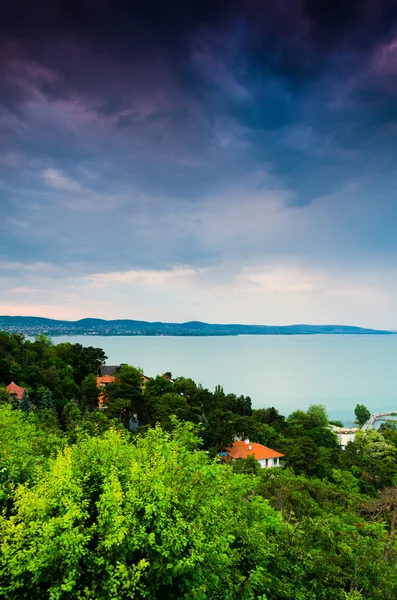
290	37
133	134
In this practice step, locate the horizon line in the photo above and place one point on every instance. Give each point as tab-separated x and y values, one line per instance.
299	324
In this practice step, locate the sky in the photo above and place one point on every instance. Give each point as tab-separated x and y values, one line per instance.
230	161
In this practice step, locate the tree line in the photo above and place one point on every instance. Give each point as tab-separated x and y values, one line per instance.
90	509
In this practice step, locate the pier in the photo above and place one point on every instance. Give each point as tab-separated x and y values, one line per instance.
376	417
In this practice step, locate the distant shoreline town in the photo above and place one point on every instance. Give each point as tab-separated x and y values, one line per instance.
31	326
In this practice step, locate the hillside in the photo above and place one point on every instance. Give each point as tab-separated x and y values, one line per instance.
36	325
123	491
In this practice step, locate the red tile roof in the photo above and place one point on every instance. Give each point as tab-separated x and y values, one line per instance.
105	379
244	449
144	380
15	390
111	379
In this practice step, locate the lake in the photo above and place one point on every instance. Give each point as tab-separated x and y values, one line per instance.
287	372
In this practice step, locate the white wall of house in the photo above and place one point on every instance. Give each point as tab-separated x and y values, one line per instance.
345	438
266	463
345	435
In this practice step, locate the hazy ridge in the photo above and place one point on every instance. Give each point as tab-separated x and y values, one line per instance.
36	325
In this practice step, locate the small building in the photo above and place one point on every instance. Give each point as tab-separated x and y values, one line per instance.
108	375
144	381
105	379
265	456
15	390
345	435
102	382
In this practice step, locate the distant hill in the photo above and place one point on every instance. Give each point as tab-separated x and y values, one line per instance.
35	325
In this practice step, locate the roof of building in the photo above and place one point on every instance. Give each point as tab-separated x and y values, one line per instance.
105	379
144	380
345	429
15	390
247	448
108	369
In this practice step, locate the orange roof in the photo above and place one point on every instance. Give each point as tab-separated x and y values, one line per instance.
244	449
15	390
111	379
144	380
105	379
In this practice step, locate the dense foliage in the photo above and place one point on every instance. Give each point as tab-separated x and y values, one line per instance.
92	510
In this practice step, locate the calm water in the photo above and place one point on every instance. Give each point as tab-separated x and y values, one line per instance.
287	372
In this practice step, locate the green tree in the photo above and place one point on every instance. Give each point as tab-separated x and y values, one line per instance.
25	404
83	361
375	457
124	397
336	423
301	454
152	520
161	409
239	405
318	415
385	505
345	480
362	414
44	341
89	393
248	466
71	418
45	400
269	416
5	397
49	420
24	448
158	386
220	430
119	409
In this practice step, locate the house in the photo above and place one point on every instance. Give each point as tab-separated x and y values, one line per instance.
345	435
108	375
102	382
105	379
15	390
266	457
144	381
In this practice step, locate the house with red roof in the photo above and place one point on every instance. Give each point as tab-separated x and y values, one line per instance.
108	375
15	390
102	382
104	379
265	456
144	381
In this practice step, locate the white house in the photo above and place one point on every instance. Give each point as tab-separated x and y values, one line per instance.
345	435
266	457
